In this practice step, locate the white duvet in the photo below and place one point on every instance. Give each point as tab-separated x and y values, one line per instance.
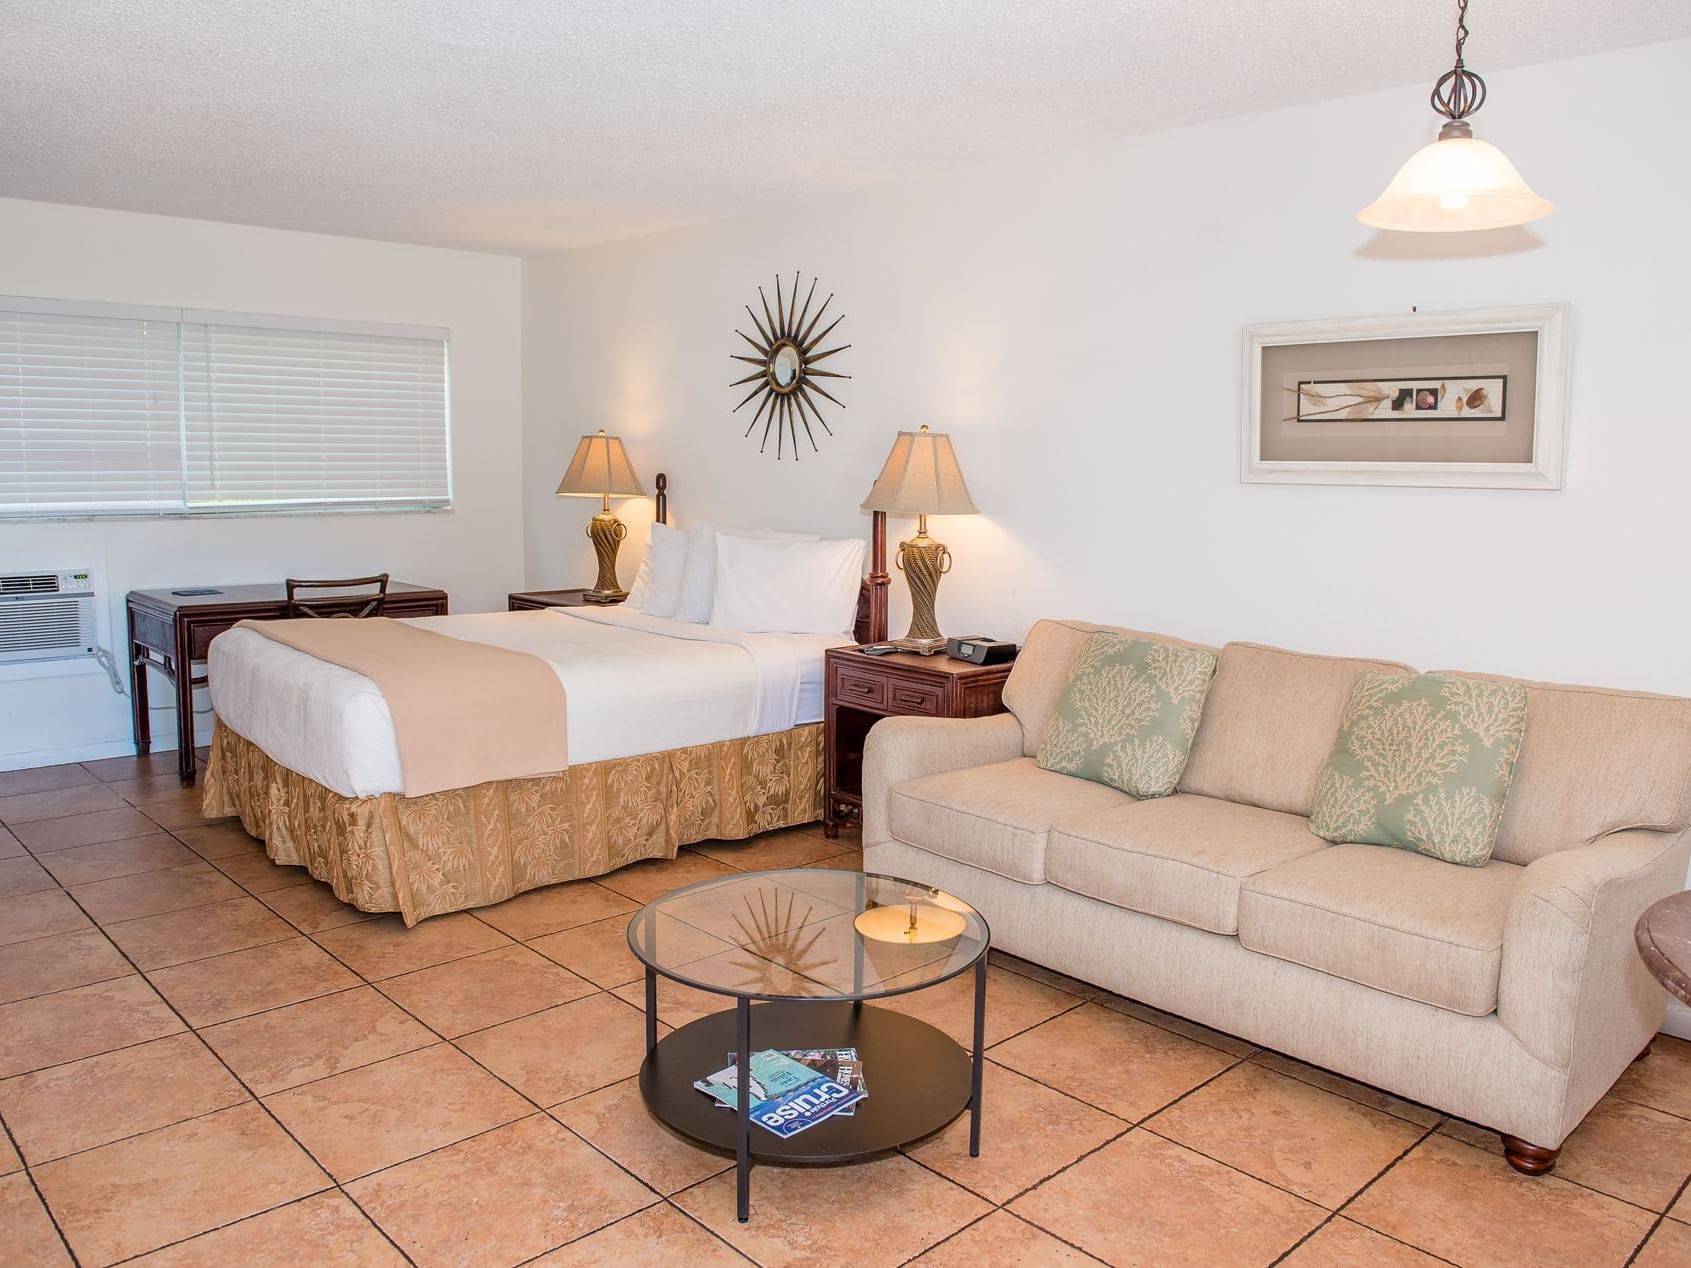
635	684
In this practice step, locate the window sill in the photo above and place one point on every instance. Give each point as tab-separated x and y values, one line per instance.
256	513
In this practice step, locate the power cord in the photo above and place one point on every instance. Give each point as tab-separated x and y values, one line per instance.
108	662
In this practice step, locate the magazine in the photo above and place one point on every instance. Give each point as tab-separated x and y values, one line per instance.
787	1097
840	1064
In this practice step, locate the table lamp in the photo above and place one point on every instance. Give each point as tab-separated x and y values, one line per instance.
921	478
600	469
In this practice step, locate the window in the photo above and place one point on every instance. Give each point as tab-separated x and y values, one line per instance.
108	410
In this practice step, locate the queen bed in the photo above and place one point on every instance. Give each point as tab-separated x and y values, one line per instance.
675	730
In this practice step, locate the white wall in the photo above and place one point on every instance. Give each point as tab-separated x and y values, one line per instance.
1074	321
473	551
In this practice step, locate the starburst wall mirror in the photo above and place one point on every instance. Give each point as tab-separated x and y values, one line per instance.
787	375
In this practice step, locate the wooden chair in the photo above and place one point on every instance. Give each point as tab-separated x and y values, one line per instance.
332	606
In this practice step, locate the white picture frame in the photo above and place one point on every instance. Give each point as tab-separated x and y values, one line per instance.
1553	325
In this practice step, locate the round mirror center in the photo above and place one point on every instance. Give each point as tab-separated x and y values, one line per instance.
784	365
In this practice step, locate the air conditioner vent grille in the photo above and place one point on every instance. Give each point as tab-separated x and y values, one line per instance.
42	627
26	583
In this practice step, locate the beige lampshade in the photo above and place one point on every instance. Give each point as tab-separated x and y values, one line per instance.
600	468
921	477
1454	185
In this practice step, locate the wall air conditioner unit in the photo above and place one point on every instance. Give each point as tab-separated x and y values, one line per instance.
46	616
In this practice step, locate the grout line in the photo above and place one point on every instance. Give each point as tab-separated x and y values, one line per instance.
623	1219
247	1088
281	1126
271	1210
956	1233
1659	1221
1646	1105
541	1109
1438	1115
1494	1153
1426	1134
28	1174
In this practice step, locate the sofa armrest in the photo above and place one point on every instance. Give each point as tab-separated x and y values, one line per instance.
1572	989
905	748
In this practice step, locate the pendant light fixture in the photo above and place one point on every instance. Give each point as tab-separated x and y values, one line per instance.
1457	183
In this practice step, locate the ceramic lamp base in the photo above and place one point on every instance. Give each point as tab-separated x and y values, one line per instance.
606	532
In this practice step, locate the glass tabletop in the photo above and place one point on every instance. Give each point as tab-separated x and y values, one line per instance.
808	933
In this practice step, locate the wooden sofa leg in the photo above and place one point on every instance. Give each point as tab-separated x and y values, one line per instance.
1646	1051
1529	1160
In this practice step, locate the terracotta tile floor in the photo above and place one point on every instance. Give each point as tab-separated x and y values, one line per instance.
208	1060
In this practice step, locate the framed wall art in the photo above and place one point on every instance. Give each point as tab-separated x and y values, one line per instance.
1475	399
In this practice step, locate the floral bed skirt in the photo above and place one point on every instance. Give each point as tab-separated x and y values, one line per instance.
468	847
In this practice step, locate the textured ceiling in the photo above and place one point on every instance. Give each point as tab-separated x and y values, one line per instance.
528	125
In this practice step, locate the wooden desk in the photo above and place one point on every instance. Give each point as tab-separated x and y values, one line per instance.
861	690
170	630
529	600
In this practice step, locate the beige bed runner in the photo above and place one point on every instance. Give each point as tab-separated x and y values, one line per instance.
463	713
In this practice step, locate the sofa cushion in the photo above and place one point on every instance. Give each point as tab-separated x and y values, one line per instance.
995	817
1182	858
1595	761
1269	724
1422	762
1043	667
1389	919
1127	714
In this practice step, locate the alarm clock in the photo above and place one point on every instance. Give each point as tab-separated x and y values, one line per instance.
978	649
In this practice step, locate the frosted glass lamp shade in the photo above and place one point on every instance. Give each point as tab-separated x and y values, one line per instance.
600	468
1454	185
921	477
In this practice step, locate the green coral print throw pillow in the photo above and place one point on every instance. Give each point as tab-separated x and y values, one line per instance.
1422	762
1128	713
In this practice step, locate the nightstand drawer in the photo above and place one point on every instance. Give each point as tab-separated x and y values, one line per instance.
200	634
912	697
858	687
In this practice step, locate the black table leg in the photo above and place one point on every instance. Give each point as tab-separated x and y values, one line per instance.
980	1043
743	1102
651	1010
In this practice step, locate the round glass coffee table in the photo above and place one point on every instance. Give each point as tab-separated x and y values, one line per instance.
801	952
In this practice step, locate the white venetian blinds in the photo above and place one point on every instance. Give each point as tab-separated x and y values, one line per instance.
288	415
88	412
181	411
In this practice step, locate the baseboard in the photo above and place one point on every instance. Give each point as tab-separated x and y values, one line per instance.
1678	1020
86	753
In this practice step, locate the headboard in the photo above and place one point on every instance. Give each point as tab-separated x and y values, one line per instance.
869	624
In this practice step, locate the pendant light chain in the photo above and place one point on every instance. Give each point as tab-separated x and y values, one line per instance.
1459	92
1457	183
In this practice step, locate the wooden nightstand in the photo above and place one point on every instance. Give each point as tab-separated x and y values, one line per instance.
861	690
525	600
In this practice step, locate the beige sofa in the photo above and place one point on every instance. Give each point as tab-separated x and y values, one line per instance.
1509	994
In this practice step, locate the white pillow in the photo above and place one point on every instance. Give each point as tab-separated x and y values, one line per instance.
640	590
698	578
661	571
786	586
698	575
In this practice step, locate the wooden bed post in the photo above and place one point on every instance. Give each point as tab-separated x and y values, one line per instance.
878	579
662	483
